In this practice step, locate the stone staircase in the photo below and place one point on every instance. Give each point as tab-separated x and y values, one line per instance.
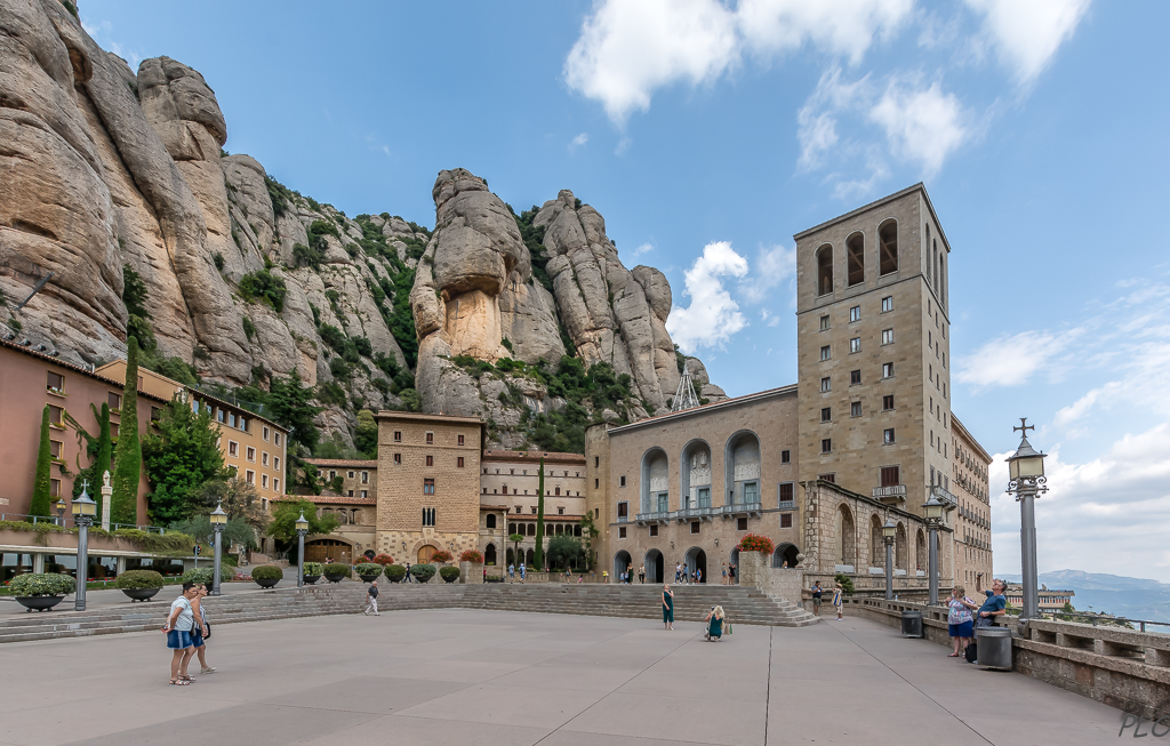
742	605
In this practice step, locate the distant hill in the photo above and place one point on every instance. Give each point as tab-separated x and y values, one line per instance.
1135	598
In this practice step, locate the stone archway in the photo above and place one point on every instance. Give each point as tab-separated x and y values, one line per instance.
621	563
489	554
655	566
785	555
425	553
329	549
696	559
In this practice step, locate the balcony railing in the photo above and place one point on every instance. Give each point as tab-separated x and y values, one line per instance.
945	496
787	505
704	512
893	490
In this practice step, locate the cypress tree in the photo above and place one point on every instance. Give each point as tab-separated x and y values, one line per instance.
40	498
105	453
538	554
128	453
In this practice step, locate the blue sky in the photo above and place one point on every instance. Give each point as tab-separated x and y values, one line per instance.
708	133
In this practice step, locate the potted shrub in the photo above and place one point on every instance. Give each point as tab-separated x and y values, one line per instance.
204	575
313	572
422	573
335	572
395	573
41	590
267	576
472	556
441	556
471	566
368	571
139	585
756	543
448	573
383	559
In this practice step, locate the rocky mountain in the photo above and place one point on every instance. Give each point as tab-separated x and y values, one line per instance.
115	182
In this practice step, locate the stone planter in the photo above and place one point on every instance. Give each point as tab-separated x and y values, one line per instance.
266	582
370	578
310	579
471	573
141	594
39	603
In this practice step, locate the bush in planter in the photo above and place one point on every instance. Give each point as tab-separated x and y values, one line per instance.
441	555
422	573
471	555
42	584
267	576
368	571
313	569
383	559
448	573
335	572
395	573
136	580
205	575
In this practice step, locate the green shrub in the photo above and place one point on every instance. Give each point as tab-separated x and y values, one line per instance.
218	259
41	584
263	287
368	570
422	573
314	569
395	573
172	542
448	573
249	328
139	579
267	572
846	583
335	571
205	575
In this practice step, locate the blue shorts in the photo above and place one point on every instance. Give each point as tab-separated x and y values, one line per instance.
178	639
966	629
196	638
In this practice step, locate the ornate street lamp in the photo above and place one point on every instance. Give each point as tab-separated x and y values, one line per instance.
302	529
889	531
218	521
61	512
84	509
1027	482
933	510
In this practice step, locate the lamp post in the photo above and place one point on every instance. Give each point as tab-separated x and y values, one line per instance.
1027	482
218	520
889	531
61	512
84	509
302	529
933	510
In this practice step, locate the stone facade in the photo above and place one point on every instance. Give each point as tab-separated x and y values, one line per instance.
972	519
359	477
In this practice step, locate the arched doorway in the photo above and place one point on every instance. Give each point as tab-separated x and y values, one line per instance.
489	554
510	556
530	559
785	555
696	560
621	563
655	566
920	551
326	550
733	561
425	553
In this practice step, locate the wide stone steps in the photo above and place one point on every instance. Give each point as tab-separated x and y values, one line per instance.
742	605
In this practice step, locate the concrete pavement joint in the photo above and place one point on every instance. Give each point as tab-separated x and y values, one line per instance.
768	698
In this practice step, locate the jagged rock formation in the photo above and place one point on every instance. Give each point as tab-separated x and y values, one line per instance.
108	172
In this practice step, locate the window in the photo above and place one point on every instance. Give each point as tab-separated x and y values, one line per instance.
430	438
250	476
54	488
366	475
621	532
826	386
855	378
855	259
276	483
695	526
826	414
460	440
491	521
826	352
55	448
114	400
887	304
828	477
891	476
888	247
887	370
265	433
220	415
596	483
887	336
855	344
397	436
398	459
430	460
622	480
276	438
887	402
787	492
785	520
888	435
741	524
113	430
826	445
55	415
825	323
155	414
596	463
785	457
55	382
428	516
855	409
233	448
623	510
264	481
459	462
429	487
654	530
825	270
854	313
251	453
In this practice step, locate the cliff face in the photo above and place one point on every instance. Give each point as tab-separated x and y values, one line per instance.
113	176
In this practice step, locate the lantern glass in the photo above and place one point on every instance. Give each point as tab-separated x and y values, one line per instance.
933	509
302	524
218	517
889	530
84	506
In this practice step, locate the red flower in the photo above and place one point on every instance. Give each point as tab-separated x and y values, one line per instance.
755	543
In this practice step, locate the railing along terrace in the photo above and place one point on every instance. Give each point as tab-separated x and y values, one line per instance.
63	521
893	490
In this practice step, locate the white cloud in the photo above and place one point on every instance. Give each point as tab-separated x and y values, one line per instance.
769	318
923	124
1012	359
628	48
1028	34
101	32
644	248
712	317
845	28
579	141
773	267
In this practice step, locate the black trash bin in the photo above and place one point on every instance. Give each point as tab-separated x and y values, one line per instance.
994	647
912	623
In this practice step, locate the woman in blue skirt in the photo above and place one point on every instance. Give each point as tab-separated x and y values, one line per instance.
714	621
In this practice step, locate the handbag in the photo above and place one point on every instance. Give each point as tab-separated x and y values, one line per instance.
207	636
729	629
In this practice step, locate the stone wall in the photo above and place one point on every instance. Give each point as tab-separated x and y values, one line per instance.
778	582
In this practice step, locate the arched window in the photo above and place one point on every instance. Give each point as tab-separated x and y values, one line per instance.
877	554
920	551
900	547
855	253
655	486
825	270
491	520
942	270
929	262
846	532
888	247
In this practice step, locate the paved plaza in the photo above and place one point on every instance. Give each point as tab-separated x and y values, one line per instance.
458	676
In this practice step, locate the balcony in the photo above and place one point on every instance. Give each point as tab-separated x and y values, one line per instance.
704	512
945	496
787	505
742	509
890	494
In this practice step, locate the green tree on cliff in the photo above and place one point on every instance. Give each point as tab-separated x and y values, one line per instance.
128	453
40	497
538	554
